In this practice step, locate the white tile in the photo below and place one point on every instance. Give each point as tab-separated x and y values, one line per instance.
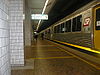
16	29
3	34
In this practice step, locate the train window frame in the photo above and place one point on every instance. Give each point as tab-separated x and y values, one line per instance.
59	28
77	24
62	27
54	29
49	31
97	24
68	26
46	32
74	24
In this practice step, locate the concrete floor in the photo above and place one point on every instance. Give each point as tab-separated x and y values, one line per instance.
47	59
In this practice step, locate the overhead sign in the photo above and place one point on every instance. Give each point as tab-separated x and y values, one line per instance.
39	17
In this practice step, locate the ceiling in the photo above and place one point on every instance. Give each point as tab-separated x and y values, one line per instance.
56	10
36	7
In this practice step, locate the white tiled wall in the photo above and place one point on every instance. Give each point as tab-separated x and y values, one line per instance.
16	32
4	39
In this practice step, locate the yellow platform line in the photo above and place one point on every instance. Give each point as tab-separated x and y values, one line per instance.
43	46
81	47
47	50
97	67
54	57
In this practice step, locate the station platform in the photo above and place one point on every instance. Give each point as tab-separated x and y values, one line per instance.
47	58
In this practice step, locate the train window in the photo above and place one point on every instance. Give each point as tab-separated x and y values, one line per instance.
45	32
79	23
68	26
62	28
98	19
54	29
76	25
59	28
49	31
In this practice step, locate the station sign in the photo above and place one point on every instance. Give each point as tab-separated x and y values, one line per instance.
39	17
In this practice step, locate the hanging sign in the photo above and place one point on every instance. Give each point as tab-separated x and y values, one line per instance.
39	17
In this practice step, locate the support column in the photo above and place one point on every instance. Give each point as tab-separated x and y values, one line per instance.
4	39
16	32
27	27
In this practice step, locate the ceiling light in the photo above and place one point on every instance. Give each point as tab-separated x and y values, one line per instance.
42	13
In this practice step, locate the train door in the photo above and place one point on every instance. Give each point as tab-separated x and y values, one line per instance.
97	27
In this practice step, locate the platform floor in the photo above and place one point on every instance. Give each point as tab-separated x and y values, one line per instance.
46	58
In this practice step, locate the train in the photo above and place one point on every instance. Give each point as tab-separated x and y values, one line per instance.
80	29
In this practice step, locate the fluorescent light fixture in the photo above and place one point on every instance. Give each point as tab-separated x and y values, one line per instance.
39	17
45	6
23	16
35	32
43	12
38	24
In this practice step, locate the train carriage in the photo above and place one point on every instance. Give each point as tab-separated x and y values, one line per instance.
81	29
